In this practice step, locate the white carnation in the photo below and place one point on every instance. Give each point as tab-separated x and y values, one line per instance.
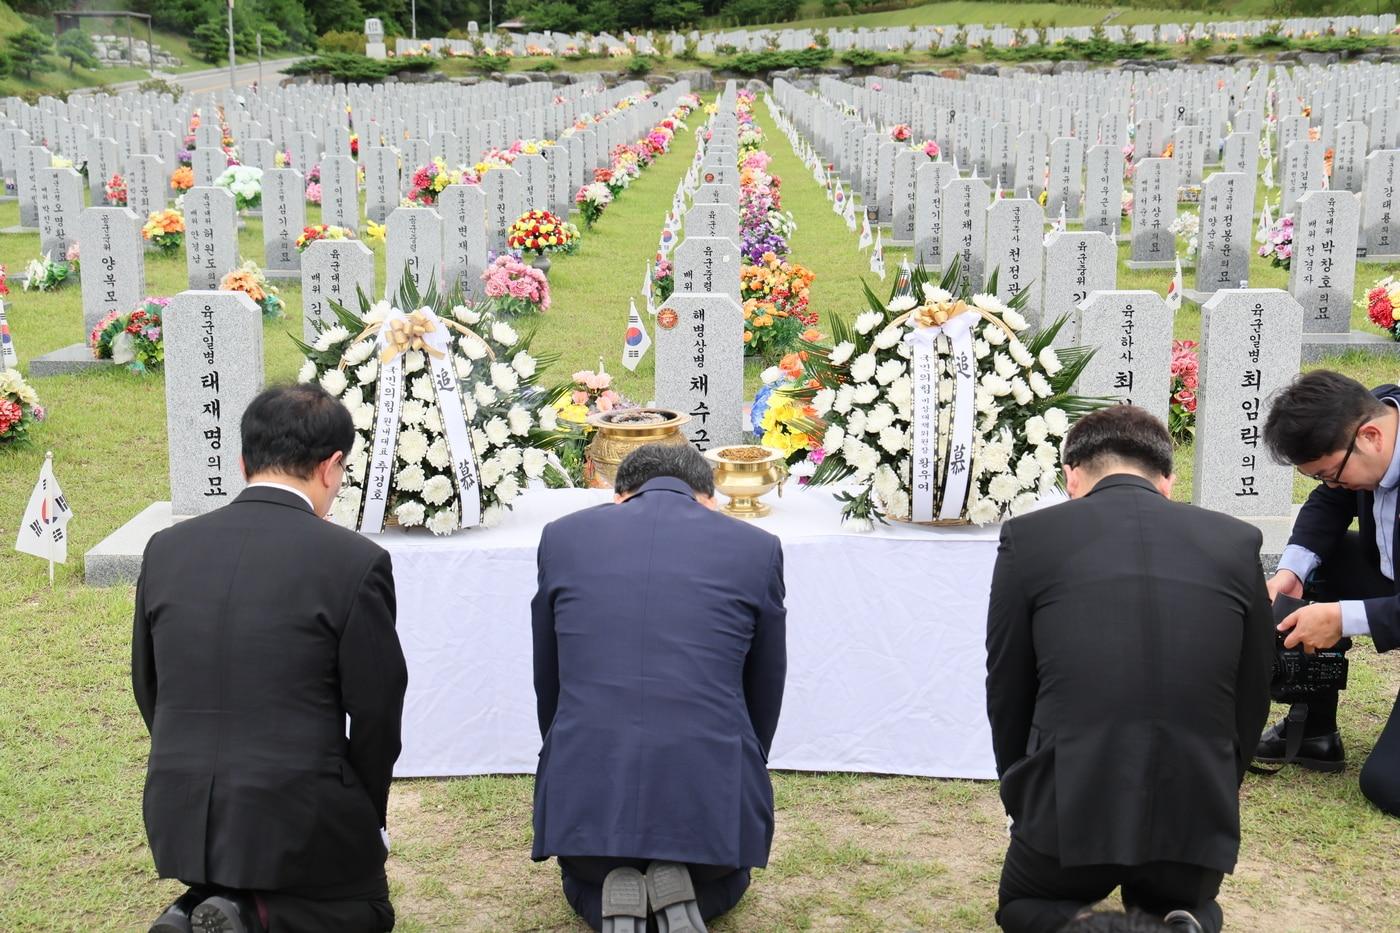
988	303
1050	361
438	454
1003	487
984	512
363	417
443	522
880	417
367	372
1021	392
996	385
484	394
1020	354
855	423
497	432
822	401
1028	470
465	314
413	412
524	364
898	504
492	516
889	371
865	393
868	321
994	335
996	457
503	333
844	399
935	295
863	368
353	397
841	352
1035	430
771	375
437	490
433	420
885	483
1014	320
1040	385
491	472
894	440
331	337
423	388
1056	422
507	489
981	348
413	361
901	304
334	381
1023	503
535	462
413	445
358	352
834	437
888	337
409	513
503	377
472	346
355	466
1048	456
1004	367
307	373
519	420
901	393
549	419
858	525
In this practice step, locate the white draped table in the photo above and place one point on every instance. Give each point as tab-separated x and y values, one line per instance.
885	635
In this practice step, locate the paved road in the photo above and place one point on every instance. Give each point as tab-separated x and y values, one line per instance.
216	79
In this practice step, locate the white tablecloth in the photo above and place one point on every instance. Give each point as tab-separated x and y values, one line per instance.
885	634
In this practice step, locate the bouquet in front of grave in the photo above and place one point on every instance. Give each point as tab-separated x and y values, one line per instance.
166	231
132	339
1383	305
776	297
245	183
1186	372
514	288
251	281
313	192
282	159
592	200
447	411
48	274
901	133
19	406
317	232
941	407
782	421
1278	243
930	149
1187	227
428	181
182	179
542	232
663	280
115	190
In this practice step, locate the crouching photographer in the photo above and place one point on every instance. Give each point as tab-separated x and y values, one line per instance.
1332	429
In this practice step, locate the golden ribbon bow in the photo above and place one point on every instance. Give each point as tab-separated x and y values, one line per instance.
402	334
936	315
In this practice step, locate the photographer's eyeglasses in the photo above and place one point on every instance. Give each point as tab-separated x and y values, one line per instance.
1336	477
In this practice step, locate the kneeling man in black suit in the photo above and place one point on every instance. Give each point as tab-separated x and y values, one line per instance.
660	656
1129	649
260	627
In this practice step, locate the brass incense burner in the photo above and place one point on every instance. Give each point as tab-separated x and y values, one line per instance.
617	433
744	473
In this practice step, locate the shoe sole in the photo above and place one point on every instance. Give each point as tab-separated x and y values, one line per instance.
216	915
1312	764
624	901
673	899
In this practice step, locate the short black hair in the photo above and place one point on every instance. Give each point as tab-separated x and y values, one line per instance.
1317	414
1134	921
1124	433
681	461
290	429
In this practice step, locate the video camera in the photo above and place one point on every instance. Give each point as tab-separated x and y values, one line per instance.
1298	676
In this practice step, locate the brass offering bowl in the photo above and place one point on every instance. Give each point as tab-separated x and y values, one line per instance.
744	472
617	433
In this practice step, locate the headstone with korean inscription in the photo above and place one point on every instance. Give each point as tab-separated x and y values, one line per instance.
905	200
59	200
1131	333
928	214
700	365
381	182
1322	273
505	197
1225	238
284	217
145	185
711	220
463	210
1103	190
534	182
413	244
102	163
114	263
1251	344
333	271
208	165
211	236
32	159
1066	184
1302	172
340	192
1076	264
213	370
1349	157
1015	234
1380	207
965	202
1154	210
707	266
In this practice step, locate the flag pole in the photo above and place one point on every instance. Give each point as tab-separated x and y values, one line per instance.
48	511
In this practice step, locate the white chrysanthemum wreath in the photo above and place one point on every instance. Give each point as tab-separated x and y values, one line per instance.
941	408
449	423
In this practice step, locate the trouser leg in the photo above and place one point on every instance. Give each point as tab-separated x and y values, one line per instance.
362	909
718	888
1380	775
1162	887
1037	895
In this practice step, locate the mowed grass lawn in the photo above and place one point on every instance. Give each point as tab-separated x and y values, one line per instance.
852	852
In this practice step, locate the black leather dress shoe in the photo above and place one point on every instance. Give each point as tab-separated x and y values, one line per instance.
226	913
1317	753
176	918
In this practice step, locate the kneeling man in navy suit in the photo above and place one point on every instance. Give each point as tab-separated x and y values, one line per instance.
660	654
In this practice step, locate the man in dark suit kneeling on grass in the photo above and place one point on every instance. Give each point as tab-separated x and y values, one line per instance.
1130	643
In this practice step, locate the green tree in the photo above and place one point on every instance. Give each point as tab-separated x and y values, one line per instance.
75	46
673	14
30	48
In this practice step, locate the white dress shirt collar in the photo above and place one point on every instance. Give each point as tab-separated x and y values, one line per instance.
291	489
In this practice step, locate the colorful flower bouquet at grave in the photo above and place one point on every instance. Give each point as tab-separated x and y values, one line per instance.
115	190
491	423
74	256
901	133
930	149
663	280
375	233
313	192
245	183
249	280
166	230
282	159
616	182
782	421
775	294
1383	306
898	366
592	200
4	281
354	145
1187	227
132	339
1125	201
429	180
1278	243
589	394
1186	369
514	288
182	179
48	274
750	139
314	174
1327	158
19	407
542	232
316	232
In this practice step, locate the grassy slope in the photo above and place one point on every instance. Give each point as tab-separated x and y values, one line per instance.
851	852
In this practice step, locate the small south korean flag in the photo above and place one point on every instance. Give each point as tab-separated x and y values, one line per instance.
44	530
9	359
865	238
877	256
1174	289
637	341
